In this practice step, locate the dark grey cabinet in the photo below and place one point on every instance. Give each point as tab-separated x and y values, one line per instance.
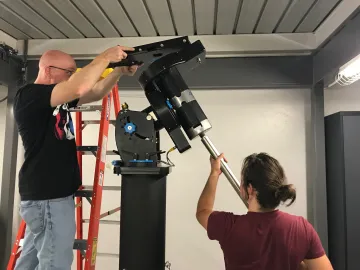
342	139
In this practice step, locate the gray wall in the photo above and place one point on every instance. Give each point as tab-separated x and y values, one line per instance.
243	122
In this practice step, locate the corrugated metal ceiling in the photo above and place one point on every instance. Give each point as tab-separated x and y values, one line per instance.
59	19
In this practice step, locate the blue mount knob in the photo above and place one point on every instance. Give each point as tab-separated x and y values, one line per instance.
130	128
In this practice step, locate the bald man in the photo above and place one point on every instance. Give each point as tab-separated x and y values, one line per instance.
50	174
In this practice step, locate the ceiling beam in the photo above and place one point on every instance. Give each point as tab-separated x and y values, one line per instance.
230	73
335	20
216	46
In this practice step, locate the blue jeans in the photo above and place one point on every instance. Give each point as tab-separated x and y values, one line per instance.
49	236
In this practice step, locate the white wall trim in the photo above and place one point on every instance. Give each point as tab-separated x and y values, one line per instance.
8	40
216	46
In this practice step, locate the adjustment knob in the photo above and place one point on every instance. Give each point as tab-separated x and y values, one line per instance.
130	128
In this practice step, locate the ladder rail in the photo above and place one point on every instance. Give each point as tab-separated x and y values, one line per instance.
95	215
116	99
91	251
79	202
14	253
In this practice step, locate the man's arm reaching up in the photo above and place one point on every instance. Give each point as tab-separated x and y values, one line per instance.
82	82
206	201
104	86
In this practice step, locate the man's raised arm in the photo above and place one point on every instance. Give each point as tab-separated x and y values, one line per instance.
80	83
104	86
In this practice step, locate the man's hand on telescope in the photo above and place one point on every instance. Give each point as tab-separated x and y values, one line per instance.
216	164
104	86
129	71
116	54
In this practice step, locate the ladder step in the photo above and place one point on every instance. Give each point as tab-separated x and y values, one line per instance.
93	122
108	222
90	150
88	190
80	244
87	148
104	187
87	108
84	193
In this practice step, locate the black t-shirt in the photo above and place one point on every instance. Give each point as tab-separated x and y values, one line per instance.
50	169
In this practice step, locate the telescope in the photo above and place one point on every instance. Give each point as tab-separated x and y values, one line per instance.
173	107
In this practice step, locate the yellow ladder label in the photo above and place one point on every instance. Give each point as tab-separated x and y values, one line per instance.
94	250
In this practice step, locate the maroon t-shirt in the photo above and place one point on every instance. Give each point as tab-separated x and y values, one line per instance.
264	241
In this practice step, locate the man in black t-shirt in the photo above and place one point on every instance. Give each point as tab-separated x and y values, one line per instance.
50	173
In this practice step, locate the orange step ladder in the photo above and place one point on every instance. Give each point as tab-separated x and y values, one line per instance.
86	248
